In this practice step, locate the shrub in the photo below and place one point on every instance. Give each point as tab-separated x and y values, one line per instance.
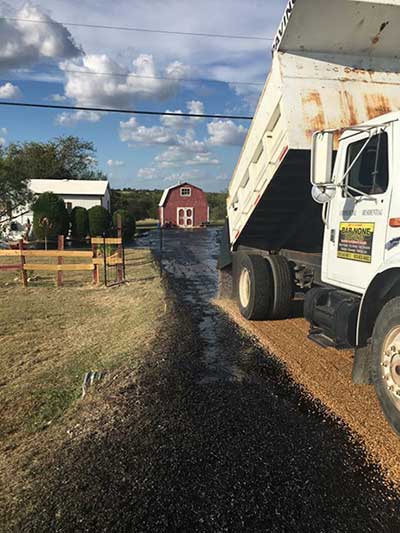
79	223
50	216
128	223
99	220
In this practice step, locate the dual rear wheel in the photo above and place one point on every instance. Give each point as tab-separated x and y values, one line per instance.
264	286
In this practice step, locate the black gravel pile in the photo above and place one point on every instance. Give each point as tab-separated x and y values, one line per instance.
212	436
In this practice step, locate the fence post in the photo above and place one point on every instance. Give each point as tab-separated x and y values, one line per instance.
161	249
119	249
105	259
60	261
22	262
96	269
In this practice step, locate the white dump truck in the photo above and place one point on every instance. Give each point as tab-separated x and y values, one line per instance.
313	209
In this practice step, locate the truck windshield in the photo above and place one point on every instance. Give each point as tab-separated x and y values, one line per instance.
369	174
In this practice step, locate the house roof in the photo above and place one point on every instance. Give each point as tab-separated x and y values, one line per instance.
76	187
166	191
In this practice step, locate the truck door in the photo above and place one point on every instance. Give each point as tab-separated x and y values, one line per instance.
355	233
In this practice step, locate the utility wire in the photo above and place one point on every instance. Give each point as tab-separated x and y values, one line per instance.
144	30
124	111
140	76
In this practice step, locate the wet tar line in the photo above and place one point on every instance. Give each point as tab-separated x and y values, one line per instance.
213	436
317	452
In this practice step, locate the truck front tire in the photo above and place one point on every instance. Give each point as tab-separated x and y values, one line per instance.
386	361
254	287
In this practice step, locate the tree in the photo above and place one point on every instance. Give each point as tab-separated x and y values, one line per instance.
61	158
14	191
128	223
50	216
217	204
99	220
79	223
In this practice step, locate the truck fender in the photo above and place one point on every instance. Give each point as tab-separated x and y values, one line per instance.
383	287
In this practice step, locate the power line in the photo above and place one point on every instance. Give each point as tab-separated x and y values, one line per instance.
124	111
140	76
144	30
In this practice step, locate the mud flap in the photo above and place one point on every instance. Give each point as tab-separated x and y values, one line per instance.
361	374
225	254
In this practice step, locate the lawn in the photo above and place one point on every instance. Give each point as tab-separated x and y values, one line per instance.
50	337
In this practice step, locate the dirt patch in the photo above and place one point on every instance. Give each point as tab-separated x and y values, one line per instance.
326	375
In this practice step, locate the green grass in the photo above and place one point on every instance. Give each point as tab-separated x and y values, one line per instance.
50	337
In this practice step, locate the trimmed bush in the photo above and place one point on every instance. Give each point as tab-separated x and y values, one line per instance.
128	224
99	220
50	216
79	223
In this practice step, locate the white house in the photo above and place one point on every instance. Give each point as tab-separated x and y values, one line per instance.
82	193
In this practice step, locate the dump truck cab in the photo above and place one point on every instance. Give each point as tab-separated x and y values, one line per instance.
361	202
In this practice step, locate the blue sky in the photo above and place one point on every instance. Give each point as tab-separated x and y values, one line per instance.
59	63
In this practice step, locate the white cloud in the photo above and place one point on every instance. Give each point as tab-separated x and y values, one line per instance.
249	93
131	131
8	90
177	156
115	163
180	137
173	122
197	108
23	43
148	173
57	98
226	132
3	133
87	86
71	119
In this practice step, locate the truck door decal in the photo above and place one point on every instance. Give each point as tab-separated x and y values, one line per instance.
355	241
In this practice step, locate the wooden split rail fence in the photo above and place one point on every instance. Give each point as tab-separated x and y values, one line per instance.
97	257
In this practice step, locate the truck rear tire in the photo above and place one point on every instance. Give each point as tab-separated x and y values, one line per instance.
282	287
253	286
385	364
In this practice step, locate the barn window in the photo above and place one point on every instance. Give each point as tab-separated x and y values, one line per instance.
186	191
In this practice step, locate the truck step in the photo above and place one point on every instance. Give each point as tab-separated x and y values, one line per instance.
323	340
320	338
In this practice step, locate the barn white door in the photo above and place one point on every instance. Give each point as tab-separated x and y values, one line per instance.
185	217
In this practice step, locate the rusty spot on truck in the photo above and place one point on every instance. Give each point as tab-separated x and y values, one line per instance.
377	104
359	71
375	40
348	108
314	112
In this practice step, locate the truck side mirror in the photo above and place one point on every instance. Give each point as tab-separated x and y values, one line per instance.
321	158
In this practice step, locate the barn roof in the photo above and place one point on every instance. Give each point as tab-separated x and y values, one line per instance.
76	187
166	191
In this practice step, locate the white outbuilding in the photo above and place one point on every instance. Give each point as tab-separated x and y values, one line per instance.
75	193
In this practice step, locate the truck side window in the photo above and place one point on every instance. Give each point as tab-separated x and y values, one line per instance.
370	173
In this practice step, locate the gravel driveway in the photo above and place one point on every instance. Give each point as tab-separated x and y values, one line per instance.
213	436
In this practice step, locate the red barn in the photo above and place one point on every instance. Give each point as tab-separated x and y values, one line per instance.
183	206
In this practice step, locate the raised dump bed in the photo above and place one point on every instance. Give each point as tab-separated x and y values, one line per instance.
335	64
